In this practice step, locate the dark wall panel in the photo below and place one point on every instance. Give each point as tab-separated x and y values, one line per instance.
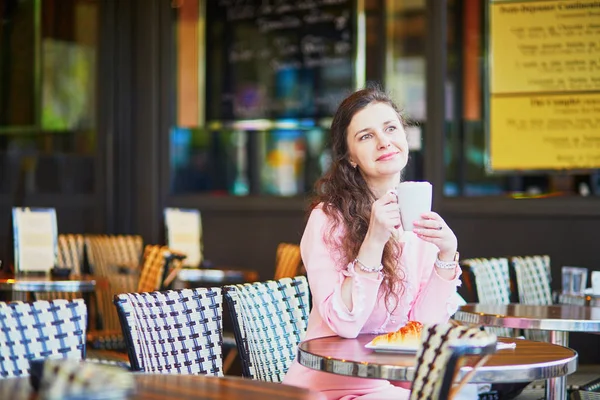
568	240
248	239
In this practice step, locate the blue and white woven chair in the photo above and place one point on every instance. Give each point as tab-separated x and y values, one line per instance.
533	285
269	320
492	282
438	357
42	329
176	331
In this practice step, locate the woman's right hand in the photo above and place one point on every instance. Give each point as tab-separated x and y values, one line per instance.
385	218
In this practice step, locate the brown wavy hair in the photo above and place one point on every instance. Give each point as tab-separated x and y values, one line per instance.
346	197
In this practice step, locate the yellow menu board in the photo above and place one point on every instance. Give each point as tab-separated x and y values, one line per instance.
544	85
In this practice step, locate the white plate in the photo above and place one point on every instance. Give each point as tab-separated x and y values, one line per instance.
389	348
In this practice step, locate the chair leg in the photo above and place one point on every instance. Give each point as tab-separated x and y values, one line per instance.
229	360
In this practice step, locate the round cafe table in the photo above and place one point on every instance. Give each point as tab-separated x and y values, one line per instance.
184	387
214	276
31	284
559	320
47	283
528	361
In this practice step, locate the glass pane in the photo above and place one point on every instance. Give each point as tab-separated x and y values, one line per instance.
287	161
405	73
292	160
68	53
17	63
466	157
283	59
207	161
258	157
46	163
57	152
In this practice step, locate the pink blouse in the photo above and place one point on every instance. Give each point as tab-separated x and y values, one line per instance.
427	298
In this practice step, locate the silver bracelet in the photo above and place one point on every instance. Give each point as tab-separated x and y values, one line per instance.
364	268
445	264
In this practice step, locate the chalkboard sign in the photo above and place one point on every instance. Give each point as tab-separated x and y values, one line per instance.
274	59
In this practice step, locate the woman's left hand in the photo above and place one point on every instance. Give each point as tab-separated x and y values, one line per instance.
432	228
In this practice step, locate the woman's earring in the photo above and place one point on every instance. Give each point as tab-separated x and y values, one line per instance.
353	164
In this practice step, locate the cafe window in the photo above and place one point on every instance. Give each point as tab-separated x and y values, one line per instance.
531	143
406	30
256	85
48	54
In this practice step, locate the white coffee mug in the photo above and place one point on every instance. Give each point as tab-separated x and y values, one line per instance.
414	199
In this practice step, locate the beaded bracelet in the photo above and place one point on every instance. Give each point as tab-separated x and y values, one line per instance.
445	264
364	268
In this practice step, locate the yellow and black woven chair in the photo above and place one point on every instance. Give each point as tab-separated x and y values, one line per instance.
288	261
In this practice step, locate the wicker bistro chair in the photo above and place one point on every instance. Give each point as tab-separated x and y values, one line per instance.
176	331
70	255
116	258
269	320
42	329
71	252
287	261
159	263
533	285
492	282
584	395
438	358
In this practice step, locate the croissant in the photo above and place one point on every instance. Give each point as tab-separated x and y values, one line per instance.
408	335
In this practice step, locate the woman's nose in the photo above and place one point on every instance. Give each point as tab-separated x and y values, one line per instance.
384	142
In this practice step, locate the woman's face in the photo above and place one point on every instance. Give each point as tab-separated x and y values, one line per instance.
377	144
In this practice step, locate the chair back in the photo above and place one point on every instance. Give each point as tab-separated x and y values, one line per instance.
70	255
269	320
175	331
108	251
115	258
492	282
533	279
533	285
42	329
71	252
158	260
584	395
287	261
438	358
492	279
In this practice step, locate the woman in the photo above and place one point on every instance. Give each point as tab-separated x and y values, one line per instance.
367	275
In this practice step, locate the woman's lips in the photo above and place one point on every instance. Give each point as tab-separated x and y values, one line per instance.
387	156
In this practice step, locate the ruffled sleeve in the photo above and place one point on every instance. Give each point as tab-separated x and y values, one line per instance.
326	274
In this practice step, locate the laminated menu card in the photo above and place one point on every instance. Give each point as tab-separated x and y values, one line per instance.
184	234
35	237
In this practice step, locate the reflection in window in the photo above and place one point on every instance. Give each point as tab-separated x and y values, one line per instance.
48	55
287	161
465	156
293	160
208	161
242	155
17	63
405	73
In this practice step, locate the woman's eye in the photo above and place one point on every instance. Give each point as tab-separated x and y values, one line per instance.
391	128
365	136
